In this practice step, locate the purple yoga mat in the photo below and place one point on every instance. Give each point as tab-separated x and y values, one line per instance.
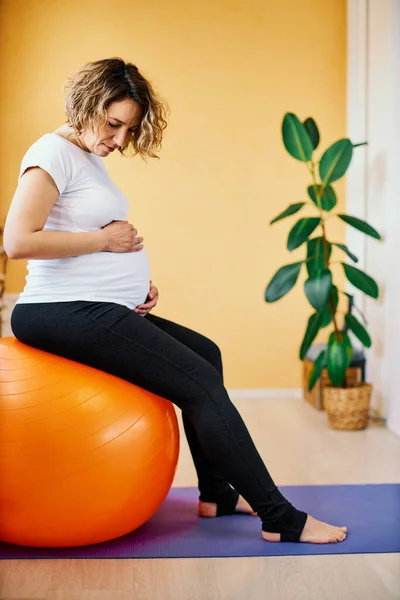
371	513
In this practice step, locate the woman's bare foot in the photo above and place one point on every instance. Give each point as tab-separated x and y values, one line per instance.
314	532
209	509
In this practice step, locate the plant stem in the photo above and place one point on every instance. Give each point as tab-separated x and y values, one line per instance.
331	301
318	194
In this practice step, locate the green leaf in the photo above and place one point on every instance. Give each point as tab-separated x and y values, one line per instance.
355	307
327	200
359	331
291	210
301	231
335	161
345	249
315	255
350	297
313	326
348	346
360	144
326	315
360	225
312	130
361	280
360	313
295	138
337	359
318	289
316	371
282	282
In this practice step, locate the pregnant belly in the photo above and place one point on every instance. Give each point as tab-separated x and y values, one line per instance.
123	278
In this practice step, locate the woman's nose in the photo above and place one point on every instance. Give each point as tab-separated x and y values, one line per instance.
120	138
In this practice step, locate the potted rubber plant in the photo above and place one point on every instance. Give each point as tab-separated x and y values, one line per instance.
347	406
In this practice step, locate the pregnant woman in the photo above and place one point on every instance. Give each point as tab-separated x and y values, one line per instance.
88	292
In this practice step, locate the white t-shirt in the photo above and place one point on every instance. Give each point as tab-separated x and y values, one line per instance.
88	201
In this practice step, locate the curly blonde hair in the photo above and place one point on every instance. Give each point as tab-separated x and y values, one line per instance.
98	84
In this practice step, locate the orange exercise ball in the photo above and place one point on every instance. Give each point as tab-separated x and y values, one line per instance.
85	457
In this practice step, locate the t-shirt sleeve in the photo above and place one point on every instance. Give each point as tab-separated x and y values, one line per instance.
52	157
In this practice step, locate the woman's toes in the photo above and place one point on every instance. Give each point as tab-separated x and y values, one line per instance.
339	535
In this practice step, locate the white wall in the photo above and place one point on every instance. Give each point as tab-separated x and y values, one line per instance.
373	191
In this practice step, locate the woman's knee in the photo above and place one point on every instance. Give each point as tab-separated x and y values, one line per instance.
213	354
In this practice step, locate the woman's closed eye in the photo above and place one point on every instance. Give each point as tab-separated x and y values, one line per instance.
134	130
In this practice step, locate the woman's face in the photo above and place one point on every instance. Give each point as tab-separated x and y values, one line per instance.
124	117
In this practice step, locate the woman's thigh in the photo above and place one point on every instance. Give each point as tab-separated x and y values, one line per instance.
115	339
197	342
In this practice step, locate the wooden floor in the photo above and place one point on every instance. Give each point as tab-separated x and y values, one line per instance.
298	448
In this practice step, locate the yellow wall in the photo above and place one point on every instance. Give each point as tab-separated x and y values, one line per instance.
229	69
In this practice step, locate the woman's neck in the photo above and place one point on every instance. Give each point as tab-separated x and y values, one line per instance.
69	134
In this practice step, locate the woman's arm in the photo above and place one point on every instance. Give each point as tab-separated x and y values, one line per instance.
24	236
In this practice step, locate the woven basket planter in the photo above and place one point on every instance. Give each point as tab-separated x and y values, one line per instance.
317	395
348	408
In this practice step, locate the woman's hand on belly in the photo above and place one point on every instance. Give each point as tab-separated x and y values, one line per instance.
151	301
121	236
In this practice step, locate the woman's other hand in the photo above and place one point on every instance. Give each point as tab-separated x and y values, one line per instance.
121	236
151	301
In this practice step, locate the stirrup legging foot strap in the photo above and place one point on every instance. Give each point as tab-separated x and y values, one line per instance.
227	504
290	534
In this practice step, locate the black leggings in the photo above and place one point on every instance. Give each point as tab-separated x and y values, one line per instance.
180	365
